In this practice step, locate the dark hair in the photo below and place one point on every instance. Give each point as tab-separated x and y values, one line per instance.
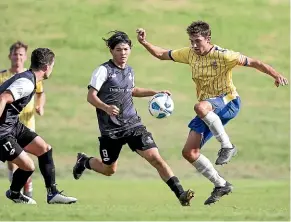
17	45
116	38
41	57
199	28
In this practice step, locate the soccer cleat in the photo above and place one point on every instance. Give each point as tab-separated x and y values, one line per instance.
59	198
79	167
218	192
185	197
19	198
225	154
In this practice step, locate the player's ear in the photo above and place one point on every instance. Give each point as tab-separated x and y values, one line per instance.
209	39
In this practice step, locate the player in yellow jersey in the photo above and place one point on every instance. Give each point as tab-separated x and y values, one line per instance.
17	56
218	100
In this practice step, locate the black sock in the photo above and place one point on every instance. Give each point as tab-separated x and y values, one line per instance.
87	164
47	168
19	179
175	186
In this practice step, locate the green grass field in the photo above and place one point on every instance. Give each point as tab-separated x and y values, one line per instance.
73	29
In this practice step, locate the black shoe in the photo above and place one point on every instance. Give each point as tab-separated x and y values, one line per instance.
218	192
19	198
225	155
186	197
79	167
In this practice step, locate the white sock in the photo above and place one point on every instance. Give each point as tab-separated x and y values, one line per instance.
205	167
215	125
10	175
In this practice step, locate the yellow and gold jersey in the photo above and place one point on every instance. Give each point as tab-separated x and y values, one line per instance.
212	73
27	114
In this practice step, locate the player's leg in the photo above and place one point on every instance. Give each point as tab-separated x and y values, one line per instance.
35	145
143	143
29	123
11	151
191	152
228	112
11	168
207	111
109	151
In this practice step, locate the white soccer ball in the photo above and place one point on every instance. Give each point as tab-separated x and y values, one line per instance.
161	105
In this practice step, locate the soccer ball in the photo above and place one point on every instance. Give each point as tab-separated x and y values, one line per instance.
161	105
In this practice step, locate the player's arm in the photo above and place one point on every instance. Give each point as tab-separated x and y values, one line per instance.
5	98
18	89
156	51
39	99
267	69
99	76
142	92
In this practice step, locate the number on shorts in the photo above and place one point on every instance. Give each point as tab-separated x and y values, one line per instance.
7	146
105	155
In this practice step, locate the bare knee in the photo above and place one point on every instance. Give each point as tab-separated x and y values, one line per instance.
156	160
28	166
190	154
202	108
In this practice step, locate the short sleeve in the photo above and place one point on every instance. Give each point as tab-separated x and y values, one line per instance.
99	76
180	55
234	58
20	88
39	87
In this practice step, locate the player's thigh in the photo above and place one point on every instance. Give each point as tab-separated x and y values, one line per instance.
193	140
109	150
30	141
24	162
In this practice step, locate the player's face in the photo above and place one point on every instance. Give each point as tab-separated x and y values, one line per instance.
49	70
200	44
18	57
121	53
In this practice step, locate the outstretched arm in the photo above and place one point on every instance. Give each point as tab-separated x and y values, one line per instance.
269	70
142	92
156	51
5	98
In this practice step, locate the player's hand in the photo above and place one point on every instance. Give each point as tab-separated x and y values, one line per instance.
112	110
280	81
166	91
39	110
141	35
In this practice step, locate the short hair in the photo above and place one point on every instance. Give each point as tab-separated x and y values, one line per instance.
41	57
199	28
17	45
117	38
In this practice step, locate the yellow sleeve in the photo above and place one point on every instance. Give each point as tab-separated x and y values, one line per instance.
233	59
180	55
39	87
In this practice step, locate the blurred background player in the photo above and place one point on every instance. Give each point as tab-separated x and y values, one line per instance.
16	140
17	56
218	100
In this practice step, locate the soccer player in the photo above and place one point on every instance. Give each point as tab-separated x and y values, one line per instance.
111	91
218	100
17	56
16	140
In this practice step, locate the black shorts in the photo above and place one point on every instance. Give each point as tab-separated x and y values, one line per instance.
12	144
137	139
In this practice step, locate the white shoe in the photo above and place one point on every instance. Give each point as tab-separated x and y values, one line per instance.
20	198
59	198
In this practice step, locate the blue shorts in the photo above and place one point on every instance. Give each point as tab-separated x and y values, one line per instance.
225	106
